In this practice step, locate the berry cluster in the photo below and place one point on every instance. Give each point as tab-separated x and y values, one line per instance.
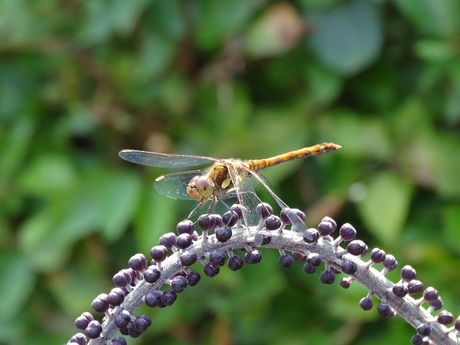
157	283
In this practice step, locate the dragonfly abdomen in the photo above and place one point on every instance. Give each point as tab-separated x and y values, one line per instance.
260	164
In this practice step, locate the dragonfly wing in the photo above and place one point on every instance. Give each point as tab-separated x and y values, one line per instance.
163	160
243	190
174	186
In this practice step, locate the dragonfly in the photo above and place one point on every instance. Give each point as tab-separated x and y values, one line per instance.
225	178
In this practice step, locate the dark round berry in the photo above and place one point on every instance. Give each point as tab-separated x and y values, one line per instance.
78	339
345	283
239	210
445	318
314	259
436	304
417	339
188	258
390	262
253	257
457	323
141	323
309	268
325	228
153	298
311	235
185	227
330	220
272	222
119	341
183	241
122	319
357	248
138	262
400	290
159	253
327	277
347	232
94	329
430	294
152	274
217	220
122	278
223	234
211	270
424	329
415	287
349	267
284	216
116	297
168	297
168	240
133	333
136	275
384	309
179	283
193	278
366	303
300	216
262	238
285	260
83	320
328	238
378	255
209	221
218	257
229	218
408	273
235	262
292	215
100	303
264	210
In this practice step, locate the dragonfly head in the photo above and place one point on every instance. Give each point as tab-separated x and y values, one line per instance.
200	188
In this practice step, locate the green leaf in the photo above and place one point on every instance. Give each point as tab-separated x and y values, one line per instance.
385	206
439	17
156	215
18	282
104	18
349	37
451	226
117	195
435	50
47	175
218	19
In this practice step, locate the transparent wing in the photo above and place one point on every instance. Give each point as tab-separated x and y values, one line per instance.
174	186
164	160
243	190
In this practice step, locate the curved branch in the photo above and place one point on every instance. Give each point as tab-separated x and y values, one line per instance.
330	252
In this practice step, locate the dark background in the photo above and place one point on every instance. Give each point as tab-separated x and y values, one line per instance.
81	80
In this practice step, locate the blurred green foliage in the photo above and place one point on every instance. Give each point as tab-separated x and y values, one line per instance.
80	80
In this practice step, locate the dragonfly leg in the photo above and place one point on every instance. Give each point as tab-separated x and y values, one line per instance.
201	203
298	224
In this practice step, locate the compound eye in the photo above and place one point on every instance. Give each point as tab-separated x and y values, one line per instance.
202	184
199	188
192	190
